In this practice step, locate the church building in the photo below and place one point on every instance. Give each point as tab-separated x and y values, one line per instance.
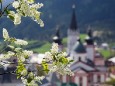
89	65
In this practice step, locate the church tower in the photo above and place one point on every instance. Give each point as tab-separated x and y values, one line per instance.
90	48
57	39
73	33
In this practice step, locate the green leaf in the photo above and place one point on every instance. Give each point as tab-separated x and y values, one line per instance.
45	67
7	11
0	1
40	71
29	80
11	17
71	61
31	75
19	69
63	60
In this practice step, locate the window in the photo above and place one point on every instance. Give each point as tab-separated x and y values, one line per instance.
98	78
70	79
80	84
79	58
89	79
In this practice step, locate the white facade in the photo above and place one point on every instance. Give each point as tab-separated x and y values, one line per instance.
77	56
90	52
77	80
95	78
72	39
64	79
84	81
102	78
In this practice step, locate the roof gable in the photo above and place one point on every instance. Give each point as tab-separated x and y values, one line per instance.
82	65
80	70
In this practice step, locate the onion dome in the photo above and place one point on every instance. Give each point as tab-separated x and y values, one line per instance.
57	38
79	47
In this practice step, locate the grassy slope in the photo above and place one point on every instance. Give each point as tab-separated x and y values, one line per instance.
82	36
106	53
42	47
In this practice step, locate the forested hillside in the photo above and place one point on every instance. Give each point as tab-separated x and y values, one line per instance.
100	14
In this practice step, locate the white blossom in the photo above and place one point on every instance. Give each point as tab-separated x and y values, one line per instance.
2	57
18	49
5	34
8	55
36	6
48	56
53	68
64	54
11	13
36	58
24	80
41	23
27	52
112	76
22	58
25	9
17	19
67	71
54	48
108	79
61	69
30	1
10	46
24	72
20	42
38	78
15	4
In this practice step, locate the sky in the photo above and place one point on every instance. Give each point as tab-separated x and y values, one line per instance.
6	2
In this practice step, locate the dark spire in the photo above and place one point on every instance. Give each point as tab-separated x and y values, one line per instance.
57	38
57	32
89	39
73	25
89	32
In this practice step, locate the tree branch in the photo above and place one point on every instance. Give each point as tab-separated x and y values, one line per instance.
3	11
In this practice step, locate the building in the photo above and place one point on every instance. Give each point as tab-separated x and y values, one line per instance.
89	65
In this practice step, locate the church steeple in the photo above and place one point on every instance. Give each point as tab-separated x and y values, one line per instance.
90	48
73	32
73	24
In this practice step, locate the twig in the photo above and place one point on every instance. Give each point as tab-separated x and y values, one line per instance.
2	12
12	72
